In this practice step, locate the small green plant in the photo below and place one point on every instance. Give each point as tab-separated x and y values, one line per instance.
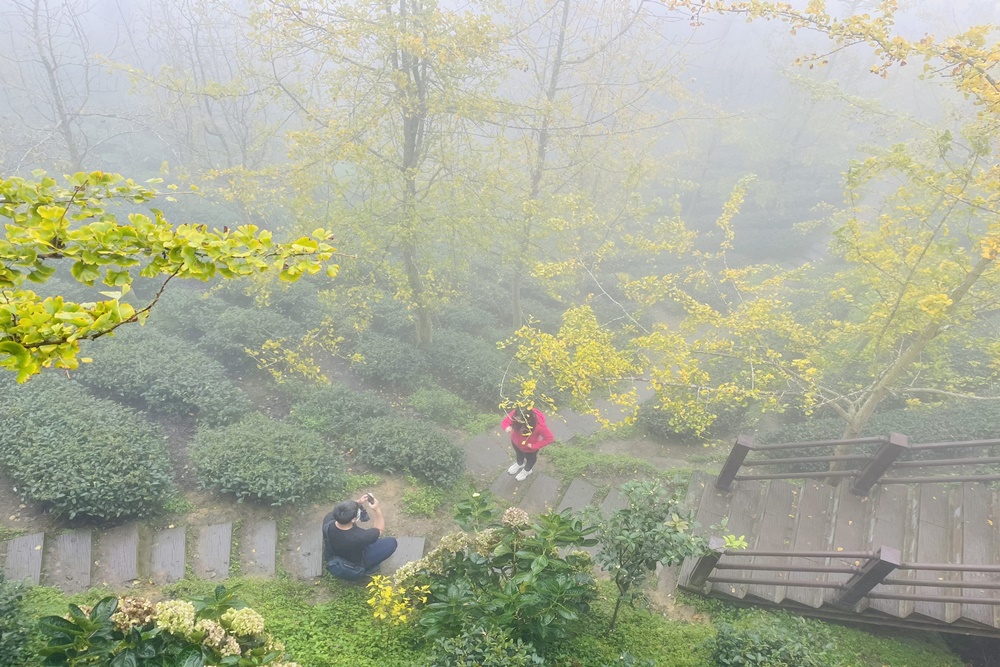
476	512
483	647
77	455
353	482
652	529
267	460
15	628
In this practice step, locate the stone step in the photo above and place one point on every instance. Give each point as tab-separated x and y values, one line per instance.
213	551
117	560
68	561
541	496
24	558
408	550
167	555
302	550
578	496
258	548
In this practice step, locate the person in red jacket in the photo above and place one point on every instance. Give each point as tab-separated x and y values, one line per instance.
528	434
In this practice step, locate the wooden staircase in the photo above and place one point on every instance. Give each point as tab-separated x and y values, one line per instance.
812	545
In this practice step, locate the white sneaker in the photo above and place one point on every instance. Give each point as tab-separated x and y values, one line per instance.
523	475
514	468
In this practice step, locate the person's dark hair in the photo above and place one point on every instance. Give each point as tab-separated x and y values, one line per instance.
525	420
346	511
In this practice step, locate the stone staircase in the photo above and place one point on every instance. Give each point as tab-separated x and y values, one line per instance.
815	539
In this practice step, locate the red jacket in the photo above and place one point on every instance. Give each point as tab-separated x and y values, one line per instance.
538	438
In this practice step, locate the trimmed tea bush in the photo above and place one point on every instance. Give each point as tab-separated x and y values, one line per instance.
234	330
468	318
400	445
390	361
471	366
165	375
337	412
184	312
80	455
267	460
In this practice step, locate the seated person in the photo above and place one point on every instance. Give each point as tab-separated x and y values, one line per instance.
350	551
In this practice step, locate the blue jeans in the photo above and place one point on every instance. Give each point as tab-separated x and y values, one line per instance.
377	552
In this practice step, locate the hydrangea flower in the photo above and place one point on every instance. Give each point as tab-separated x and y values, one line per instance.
175	616
133	612
515	517
243	622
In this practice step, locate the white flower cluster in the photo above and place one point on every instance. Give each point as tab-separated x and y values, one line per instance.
243	622
133	612
175	616
515	517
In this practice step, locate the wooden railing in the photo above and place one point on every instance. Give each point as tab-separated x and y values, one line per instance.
867	468
865	576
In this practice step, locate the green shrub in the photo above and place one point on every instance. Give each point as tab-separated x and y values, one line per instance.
234	330
80	455
15	628
471	366
468	318
481	647
184	312
165	375
266	460
390	361
399	445
771	640
337	412
392	318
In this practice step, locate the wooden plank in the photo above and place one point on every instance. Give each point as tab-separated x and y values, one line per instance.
813	532
541	496
302	551
892	505
24	558
258	548
933	546
852	520
68	560
408	549
117	559
167	555
980	536
774	534
713	506
578	496
213	551
746	510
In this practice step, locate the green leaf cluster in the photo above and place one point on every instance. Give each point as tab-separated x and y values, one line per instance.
15	629
164	375
80	455
483	647
49	226
266	460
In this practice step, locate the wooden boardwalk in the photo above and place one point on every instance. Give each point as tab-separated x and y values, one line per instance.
941	532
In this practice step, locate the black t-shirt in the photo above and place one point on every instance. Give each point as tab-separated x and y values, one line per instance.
348	544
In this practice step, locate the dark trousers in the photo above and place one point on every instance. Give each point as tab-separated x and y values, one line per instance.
527	460
377	552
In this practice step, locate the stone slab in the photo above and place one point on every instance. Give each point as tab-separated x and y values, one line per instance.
214	551
302	551
258	548
68	561
541	496
117	560
578	496
507	487
487	453
408	550
167	555
24	558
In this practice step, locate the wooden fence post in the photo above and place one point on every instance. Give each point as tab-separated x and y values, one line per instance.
884	457
743	446
871	575
706	564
